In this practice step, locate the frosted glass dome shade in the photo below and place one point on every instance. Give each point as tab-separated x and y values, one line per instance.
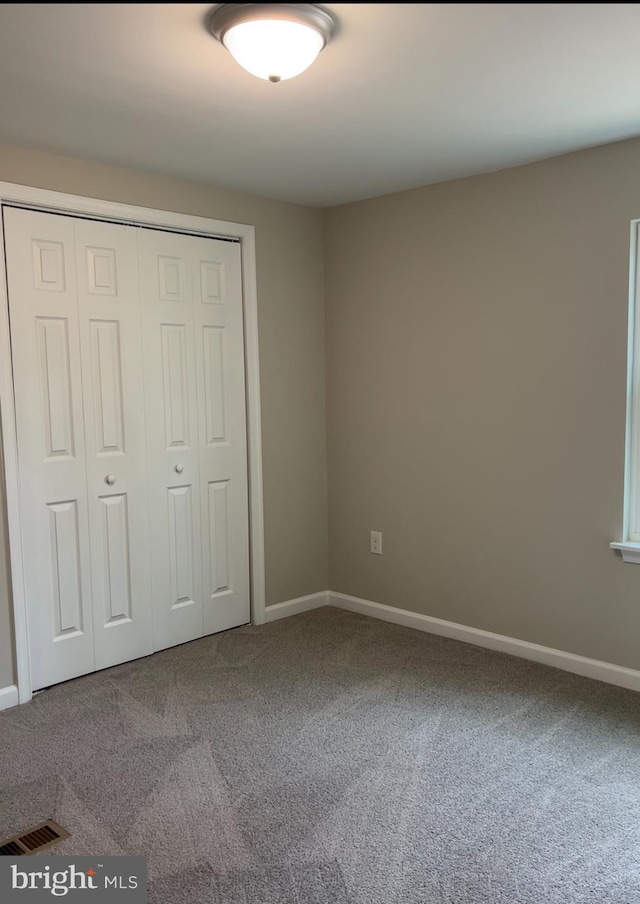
273	49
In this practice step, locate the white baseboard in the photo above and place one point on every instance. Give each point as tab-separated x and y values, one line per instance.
294	607
8	696
569	662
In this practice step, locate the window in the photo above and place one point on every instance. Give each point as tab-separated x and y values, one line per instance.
630	544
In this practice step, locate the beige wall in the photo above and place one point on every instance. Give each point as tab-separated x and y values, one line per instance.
292	353
476	340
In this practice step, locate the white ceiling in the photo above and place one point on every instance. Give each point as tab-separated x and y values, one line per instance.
406	94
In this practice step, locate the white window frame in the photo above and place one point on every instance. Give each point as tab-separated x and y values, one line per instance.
629	546
56	202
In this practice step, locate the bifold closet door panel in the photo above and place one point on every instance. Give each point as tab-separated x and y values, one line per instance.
193	337
116	460
41	276
217	280
171	409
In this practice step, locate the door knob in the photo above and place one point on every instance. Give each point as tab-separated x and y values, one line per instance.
110	479
178	469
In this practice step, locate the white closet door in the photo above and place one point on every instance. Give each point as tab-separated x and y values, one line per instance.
217	275
172	437
41	275
196	429
111	352
128	356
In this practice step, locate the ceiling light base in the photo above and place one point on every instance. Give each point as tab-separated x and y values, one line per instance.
227	15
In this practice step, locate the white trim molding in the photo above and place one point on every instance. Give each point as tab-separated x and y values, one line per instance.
295	607
569	662
56	202
630	544
9	696
559	659
630	551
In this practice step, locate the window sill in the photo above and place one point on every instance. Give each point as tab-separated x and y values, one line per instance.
630	551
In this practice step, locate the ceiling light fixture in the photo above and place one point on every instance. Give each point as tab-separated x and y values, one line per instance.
273	41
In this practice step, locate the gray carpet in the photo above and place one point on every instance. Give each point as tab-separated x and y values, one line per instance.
334	759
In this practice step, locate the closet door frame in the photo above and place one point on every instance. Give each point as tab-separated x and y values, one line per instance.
92	208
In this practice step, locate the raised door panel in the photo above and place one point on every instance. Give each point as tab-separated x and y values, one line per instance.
66	569
170	278
181	566
54	370
110	328
171	412
220	542
101	270
43	308
175	385
214	384
49	267
116	554
212	289
107	388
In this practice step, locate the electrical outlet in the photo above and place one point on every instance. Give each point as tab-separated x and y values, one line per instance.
375	542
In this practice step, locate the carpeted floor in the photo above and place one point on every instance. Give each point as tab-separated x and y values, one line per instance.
334	759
